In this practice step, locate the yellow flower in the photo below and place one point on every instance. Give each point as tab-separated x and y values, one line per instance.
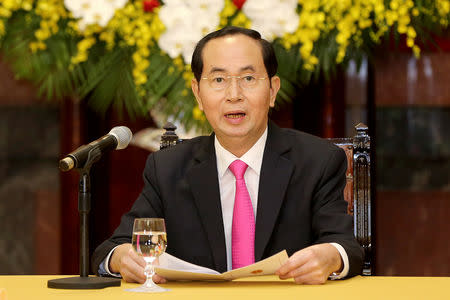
305	49
27	5
308	67
410	42
340	55
197	114
228	10
313	60
6	13
108	37
241	20
9	4
42	34
416	51
411	32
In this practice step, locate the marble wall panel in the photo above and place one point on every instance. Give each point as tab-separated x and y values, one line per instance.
412	154
29	154
412	231
413	148
401	79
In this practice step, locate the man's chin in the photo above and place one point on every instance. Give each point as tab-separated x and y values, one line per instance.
235	132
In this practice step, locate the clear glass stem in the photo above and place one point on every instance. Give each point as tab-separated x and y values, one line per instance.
149	271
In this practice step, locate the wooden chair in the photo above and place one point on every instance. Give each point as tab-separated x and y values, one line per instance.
357	189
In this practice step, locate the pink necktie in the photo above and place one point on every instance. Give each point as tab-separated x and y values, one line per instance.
243	227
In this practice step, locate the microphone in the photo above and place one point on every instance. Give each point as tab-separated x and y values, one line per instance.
118	138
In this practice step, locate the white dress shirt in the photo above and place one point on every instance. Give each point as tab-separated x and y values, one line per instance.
227	185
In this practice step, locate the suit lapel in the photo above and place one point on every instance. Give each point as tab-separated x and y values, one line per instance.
276	171
203	180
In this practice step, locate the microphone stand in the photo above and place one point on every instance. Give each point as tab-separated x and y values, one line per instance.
84	206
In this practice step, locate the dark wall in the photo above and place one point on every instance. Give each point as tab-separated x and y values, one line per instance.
29	185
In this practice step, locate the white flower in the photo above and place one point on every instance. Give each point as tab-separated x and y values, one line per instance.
272	18
187	22
177	40
93	12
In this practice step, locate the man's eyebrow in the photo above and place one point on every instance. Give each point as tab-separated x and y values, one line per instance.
216	69
248	68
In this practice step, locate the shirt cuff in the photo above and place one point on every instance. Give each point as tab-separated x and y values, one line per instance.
344	257
103	268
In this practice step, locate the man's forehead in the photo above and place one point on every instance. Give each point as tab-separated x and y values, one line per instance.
238	52
231	38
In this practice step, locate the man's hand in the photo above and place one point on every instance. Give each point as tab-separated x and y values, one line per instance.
130	265
311	265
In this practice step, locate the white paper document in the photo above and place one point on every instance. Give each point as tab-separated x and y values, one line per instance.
174	268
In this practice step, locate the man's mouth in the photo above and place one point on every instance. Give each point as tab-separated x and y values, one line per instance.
235	115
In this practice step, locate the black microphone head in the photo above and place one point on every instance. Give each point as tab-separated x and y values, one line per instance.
123	136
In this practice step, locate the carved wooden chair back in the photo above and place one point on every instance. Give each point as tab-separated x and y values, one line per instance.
357	190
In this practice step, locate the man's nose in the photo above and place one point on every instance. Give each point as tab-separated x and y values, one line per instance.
234	91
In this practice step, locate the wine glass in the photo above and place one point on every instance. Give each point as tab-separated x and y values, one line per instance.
149	241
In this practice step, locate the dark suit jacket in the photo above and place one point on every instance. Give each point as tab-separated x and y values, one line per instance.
300	200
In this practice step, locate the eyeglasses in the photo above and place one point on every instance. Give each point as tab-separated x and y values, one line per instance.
221	82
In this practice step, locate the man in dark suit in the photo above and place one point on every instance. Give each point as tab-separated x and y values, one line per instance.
293	181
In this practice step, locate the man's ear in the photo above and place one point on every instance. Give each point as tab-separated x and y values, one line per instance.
275	87
196	90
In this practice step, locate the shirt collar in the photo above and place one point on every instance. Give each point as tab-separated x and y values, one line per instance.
253	157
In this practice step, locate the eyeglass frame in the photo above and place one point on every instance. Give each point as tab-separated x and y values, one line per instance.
238	77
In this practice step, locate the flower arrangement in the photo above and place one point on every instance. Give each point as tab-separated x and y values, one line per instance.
135	54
